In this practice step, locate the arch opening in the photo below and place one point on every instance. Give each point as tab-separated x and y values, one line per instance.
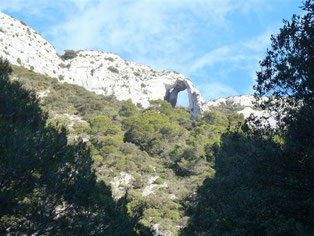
183	99
195	100
172	93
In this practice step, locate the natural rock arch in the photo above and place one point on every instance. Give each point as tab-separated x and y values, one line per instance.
172	93
196	101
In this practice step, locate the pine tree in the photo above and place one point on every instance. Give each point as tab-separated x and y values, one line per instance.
47	186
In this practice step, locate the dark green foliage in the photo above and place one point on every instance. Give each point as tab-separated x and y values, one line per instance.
179	116
264	183
109	59
151	131
288	69
102	125
23	23
243	197
160	143
198	157
128	109
159	181
61	77
258	188
67	98
62	65
69	54
46	185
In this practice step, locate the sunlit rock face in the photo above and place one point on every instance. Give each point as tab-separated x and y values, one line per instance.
247	107
103	73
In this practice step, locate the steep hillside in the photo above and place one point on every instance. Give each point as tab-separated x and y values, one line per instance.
151	154
155	157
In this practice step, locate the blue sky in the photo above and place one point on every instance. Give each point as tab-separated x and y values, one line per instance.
215	43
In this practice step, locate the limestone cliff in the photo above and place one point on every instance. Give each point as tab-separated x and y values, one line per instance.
103	73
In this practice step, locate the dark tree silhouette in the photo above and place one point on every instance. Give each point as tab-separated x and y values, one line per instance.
47	186
265	185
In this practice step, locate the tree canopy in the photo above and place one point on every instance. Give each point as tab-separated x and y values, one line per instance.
47	186
288	68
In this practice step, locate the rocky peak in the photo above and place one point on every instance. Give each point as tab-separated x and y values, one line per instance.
241	100
103	73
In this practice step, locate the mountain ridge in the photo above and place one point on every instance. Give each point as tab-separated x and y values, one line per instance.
100	72
105	73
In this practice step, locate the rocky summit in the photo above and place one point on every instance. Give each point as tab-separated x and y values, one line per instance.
102	73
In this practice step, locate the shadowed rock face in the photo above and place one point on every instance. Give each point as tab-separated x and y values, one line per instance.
178	84
172	96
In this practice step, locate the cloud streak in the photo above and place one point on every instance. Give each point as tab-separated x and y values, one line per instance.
250	50
216	90
145	30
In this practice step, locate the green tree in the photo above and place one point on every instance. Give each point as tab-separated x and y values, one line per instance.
179	116
103	125
47	186
263	186
128	109
288	69
241	199
152	131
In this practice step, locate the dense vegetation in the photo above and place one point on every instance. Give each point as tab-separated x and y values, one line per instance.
75	163
47	186
165	154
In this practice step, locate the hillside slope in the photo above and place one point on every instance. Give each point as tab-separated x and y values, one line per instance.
155	157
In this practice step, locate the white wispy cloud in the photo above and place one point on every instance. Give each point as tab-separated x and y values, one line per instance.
161	24
260	42
154	32
251	50
240	56
216	90
13	5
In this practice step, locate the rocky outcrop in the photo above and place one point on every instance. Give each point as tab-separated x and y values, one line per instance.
241	100
103	73
246	105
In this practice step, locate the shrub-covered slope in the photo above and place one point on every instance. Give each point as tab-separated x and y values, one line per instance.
154	158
